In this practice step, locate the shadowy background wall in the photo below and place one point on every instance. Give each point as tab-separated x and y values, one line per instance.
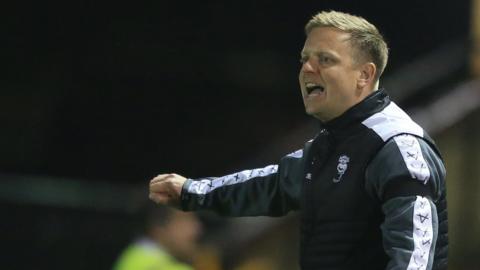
97	97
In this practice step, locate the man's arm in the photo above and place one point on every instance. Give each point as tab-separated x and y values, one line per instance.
407	177
270	191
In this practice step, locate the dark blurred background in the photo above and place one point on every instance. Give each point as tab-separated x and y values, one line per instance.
99	97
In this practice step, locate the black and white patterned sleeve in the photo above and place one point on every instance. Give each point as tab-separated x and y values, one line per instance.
405	177
268	191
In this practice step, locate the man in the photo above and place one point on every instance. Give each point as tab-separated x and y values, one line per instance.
169	241
370	186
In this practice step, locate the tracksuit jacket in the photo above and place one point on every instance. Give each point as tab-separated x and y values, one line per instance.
370	188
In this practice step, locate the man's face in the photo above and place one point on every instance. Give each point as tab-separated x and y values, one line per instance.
329	76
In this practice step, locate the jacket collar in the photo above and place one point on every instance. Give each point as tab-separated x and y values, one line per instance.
351	118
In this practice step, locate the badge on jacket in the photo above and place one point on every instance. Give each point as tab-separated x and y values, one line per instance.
341	168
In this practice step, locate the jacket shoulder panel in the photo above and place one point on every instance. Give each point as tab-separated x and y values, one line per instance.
392	121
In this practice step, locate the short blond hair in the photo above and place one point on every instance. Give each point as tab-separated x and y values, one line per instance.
365	37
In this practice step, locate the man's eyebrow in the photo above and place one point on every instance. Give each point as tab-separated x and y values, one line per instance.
317	53
304	53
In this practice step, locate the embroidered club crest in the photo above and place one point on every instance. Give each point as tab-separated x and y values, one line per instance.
341	168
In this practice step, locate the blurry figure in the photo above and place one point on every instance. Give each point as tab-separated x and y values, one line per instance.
169	241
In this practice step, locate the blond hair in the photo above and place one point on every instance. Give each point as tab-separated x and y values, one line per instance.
364	36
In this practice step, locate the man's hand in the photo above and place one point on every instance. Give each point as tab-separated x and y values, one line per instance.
166	189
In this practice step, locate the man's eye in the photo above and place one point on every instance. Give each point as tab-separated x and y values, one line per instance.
303	60
325	60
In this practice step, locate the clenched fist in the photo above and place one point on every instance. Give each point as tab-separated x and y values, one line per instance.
166	189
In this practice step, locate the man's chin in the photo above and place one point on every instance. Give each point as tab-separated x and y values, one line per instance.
316	114
311	111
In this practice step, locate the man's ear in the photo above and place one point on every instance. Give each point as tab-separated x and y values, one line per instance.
367	74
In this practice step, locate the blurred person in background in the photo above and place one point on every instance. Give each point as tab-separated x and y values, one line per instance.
370	185
169	241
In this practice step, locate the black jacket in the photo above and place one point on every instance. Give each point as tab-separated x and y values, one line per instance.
370	187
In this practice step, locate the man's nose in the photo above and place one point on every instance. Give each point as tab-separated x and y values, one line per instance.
308	66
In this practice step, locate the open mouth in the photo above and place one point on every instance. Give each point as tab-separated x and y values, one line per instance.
311	87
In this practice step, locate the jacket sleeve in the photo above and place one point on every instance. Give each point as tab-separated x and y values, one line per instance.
406	177
270	191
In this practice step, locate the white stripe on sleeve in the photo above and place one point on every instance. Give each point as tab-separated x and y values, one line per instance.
422	234
413	157
205	186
